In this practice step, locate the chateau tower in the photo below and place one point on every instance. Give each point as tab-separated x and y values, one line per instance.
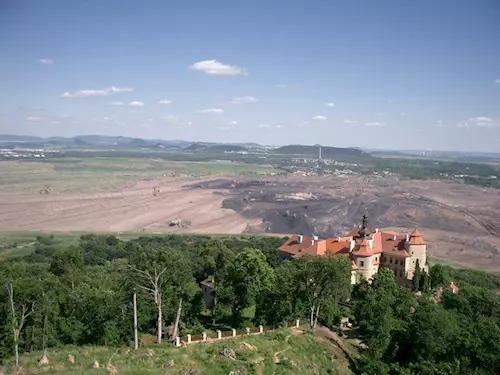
416	247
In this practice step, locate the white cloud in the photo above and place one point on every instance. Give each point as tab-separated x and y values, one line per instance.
303	123
280	126
233	123
136	103
117	103
244	99
375	123
46	61
282	86
439	123
402	114
89	93
319	118
482	122
213	110
331	105
34	118
389	101
165	102
263	125
214	67
496	81
55	122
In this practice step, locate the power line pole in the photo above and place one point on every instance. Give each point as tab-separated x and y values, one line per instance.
136	342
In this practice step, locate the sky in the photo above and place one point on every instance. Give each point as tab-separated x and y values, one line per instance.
385	74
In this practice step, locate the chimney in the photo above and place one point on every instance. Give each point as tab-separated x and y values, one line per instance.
376	230
299	239
351	245
407	237
394	238
315	238
338	239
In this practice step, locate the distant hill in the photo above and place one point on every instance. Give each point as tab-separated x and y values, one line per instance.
19	138
313	151
225	148
195	147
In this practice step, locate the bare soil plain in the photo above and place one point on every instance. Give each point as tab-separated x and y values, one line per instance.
460	223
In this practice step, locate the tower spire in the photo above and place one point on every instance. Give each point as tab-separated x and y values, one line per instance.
364	232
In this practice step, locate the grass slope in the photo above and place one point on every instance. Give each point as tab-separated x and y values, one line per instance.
281	352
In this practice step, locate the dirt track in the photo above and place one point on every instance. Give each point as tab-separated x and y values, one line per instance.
460	223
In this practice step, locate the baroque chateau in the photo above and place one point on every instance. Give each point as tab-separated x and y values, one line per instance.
367	249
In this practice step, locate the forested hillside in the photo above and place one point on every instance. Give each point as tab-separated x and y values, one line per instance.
82	295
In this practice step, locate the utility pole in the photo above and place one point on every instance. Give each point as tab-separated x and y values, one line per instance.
136	343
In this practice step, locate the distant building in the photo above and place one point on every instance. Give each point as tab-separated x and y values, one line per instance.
437	296
207	288
367	249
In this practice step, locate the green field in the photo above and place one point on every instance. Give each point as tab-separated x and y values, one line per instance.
300	354
91	174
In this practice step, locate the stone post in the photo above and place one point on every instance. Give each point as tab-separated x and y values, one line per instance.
177	341
219	334
234	332
189	339
261	329
297	323
204	336
248	331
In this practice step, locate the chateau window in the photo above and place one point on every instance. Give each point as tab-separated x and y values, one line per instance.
401	262
395	272
362	264
390	260
400	273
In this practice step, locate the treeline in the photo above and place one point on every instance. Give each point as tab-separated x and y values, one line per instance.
421	169
83	294
410	334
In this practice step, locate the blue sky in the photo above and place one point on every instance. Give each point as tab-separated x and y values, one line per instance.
374	74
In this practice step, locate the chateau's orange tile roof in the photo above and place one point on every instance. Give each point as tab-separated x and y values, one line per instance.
416	238
389	243
334	246
363	249
308	246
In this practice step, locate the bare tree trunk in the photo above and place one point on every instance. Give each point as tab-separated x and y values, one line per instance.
159	322
311	319
316	317
17	326
14	323
177	318
136	342
44	332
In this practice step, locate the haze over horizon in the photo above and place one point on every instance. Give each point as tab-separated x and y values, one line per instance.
376	75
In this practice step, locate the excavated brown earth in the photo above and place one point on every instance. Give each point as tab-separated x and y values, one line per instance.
461	223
